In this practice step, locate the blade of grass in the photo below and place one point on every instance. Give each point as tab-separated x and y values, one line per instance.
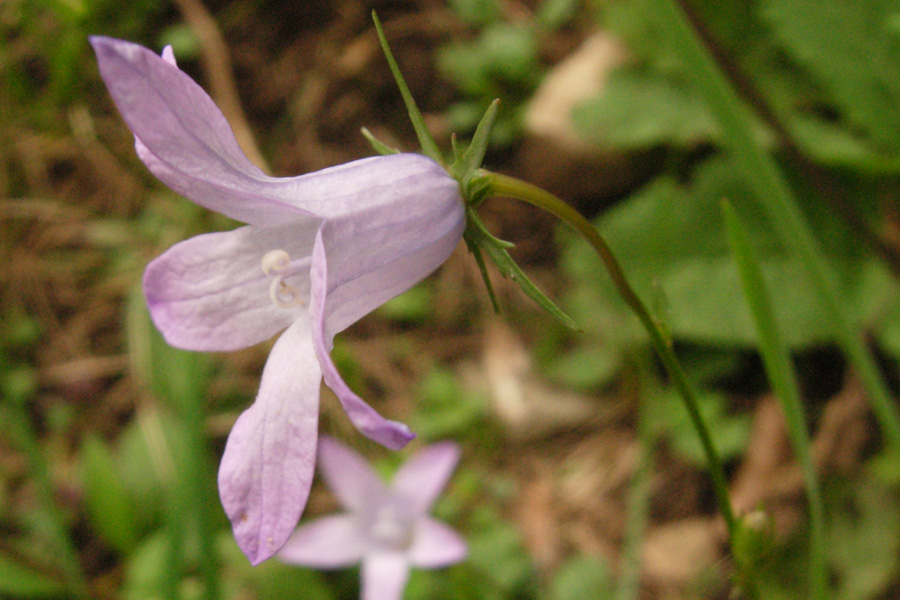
178	378
782	376
774	194
22	431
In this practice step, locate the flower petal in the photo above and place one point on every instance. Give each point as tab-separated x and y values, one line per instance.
435	545
389	433
210	293
328	543
422	478
383	251
348	475
267	468
183	137
384	576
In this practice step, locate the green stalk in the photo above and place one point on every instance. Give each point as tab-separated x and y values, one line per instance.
783	378
771	190
503	185
21	428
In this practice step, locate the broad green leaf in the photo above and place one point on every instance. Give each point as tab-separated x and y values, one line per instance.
19	581
669	238
107	502
850	49
642	109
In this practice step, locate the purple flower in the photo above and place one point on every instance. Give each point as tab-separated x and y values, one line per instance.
320	251
386	528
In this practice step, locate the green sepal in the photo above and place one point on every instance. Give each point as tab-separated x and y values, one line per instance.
475	250
377	145
466	166
477	235
429	146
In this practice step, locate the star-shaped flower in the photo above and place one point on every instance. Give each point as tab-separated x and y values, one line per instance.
319	252
387	529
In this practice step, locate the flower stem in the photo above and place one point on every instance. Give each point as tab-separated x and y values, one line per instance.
777	361
503	185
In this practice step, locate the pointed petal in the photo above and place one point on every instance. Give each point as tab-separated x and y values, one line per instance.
384	576
435	545
328	543
186	142
267	468
389	433
183	137
348	475
210	293
422	478
383	251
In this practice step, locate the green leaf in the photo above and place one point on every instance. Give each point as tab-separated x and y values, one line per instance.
478	12
849	47
107	502
669	235
639	108
730	433
864	541
582	577
445	409
19	581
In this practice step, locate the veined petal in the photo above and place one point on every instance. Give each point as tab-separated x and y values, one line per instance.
422	478
210	292
389	433
267	468
435	545
348	475
384	576
382	251
184	139
327	543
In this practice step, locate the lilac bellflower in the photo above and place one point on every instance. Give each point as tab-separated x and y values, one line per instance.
387	529
319	252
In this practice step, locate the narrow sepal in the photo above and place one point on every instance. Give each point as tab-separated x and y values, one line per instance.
377	145
429	146
467	168
496	249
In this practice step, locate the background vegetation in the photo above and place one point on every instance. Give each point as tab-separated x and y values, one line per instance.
581	476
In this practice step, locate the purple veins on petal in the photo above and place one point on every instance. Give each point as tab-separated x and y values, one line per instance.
319	252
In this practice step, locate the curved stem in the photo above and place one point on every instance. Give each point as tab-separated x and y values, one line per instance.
503	185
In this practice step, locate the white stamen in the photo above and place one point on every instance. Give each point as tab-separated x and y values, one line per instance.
274	263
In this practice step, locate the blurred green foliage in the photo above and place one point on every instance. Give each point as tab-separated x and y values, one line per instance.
828	70
502	60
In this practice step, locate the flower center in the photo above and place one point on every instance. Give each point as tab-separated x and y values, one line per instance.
274	264
392	529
